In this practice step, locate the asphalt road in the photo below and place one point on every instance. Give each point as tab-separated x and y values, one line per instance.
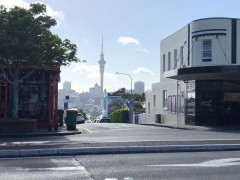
123	134
201	165
101	132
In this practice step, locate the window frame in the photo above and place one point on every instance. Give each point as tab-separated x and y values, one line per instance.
164	62
175	58
165	99
206	50
169	61
181	56
154	100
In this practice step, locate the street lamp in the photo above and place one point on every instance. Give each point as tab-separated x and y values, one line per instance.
131	102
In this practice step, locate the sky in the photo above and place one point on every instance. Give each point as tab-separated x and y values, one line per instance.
131	30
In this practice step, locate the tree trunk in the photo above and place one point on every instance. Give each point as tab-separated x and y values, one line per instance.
15	93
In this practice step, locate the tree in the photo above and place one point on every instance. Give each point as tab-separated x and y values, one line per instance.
26	39
136	97
118	104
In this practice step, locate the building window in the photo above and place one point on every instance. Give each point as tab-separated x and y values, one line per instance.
165	98
154	100
149	107
164	63
181	55
175	58
207	50
169	61
171	104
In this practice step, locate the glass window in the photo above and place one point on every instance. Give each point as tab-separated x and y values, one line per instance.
169	61
181	55
164	63
154	100
149	107
165	98
207	50
169	103
175	58
181	104
173	104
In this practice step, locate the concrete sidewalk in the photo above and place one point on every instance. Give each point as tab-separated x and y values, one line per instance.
62	131
113	147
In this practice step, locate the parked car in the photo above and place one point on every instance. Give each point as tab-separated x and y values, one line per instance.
80	118
104	120
96	120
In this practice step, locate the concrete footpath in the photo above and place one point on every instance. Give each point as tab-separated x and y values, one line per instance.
111	147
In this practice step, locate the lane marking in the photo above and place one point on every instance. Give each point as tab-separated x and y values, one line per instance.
88	130
212	163
78	168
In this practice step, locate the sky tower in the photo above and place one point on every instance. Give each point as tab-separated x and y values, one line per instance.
102	63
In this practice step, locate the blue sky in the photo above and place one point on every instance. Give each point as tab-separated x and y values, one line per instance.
132	31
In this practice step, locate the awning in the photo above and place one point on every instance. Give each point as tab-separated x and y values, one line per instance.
230	72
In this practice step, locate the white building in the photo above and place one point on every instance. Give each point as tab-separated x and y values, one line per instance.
139	87
67	86
199	75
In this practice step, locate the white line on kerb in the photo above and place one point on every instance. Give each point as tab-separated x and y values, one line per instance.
87	130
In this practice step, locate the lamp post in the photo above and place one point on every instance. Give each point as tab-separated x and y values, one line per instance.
131	101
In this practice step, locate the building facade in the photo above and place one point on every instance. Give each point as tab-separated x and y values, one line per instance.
139	87
199	75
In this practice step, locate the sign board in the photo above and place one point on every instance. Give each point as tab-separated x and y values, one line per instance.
65	106
131	104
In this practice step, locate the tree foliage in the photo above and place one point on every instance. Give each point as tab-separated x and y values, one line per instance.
136	97
26	39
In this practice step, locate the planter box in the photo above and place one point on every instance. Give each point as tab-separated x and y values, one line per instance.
18	126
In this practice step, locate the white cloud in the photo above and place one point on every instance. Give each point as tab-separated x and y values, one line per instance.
128	40
21	3
143	70
12	3
143	50
92	72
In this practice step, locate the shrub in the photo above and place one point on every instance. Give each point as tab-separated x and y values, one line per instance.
119	116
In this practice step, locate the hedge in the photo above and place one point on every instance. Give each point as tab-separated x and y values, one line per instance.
119	116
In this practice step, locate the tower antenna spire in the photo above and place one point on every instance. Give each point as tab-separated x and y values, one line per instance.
102	42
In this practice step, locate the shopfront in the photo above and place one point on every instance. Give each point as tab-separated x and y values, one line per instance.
38	96
213	103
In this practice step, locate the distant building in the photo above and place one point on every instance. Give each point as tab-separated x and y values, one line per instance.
84	97
139	87
116	96
67	86
74	99
95	91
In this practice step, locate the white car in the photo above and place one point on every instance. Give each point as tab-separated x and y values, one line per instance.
80	118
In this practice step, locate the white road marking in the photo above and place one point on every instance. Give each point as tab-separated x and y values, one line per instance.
126	178
125	125
78	168
87	130
212	163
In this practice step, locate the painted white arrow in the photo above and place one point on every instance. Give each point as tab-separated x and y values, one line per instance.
212	163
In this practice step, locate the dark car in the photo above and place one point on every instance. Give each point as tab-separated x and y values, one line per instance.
104	120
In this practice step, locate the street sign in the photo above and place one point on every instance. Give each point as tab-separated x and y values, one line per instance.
131	104
65	106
